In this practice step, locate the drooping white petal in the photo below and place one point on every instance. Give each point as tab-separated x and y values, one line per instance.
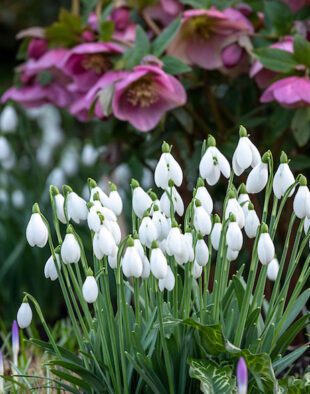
70	250
146	268
36	231
196	270
251	224
283	179
202	220
233	207
204	197
76	207
158	261
265	249
201	253
216	235
147	232
234	237
244	153
141	201
132	265
257	178
90	289
301	203
167	282
24	315
273	269
59	203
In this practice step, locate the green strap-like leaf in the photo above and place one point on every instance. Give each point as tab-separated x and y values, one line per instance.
166	36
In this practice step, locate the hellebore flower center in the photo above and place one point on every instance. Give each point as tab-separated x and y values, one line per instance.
200	26
96	62
143	92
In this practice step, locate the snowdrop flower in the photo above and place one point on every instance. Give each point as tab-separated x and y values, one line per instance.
242	376
258	177
302	199
56	177
70	159
231	254
168	281
158	261
213	163
103	243
89	155
251	222
161	223
265	247
70	249
178	205
246	153
234	207
167	169
146	268
59	204
216	232
114	229
18	199
147	232
96	193
24	314
50	270
76	206
141	201
306	225
112	260
243	199
196	270
203	196
132	264
201	252
93	219
8	119
175	242
234	237
36	231
90	288
273	269
5	150
15	342
115	202
283	178
188	238
138	246
202	220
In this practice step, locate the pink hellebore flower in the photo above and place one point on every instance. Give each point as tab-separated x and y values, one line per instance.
212	39
125	30
37	47
164	11
263	77
296	5
85	63
145	94
290	92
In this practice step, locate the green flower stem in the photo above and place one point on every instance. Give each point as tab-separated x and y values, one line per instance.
174	265
83	255
200	298
146	299
137	302
224	275
55	218
268	189
273	212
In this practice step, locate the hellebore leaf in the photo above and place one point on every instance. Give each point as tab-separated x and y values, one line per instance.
166	36
301	126
134	55
302	50
106	30
276	59
278	16
174	66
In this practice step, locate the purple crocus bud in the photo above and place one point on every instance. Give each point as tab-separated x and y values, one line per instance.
15	342
242	376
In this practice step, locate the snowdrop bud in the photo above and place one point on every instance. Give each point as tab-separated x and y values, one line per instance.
8	119
90	288
216	232
245	155
273	269
234	207
161	223
15	342
59	204
283	178
202	220
50	270
258	177
188	237
201	252
158	261
76	206
265	248
112	260
147	232
196	270
115	201
302	199
167	169
93	219
103	243
96	193
141	201
234	237
178	204
175	241
132	264
168	281
231	254
36	231
70	249
242	376
213	163
203	196
89	155
24	315
243	199
146	268
251	222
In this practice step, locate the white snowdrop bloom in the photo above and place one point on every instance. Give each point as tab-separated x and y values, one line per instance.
5	150
213	163
147	232
158	261
4	196
93	219
246	154
70	249
106	212
60	207
188	237
178	204
306	225
216	235
161	223
103	243
244	200
202	220
234	207
201	252
8	119
175	242
138	246
132	264
232	254
283	178
251	222
167	282
115	202
141	201
90	289
302	200
50	270
97	192
184	256
196	270
265	247
36	231
273	269
89	155
24	315
56	177
163	245
146	268
69	160
114	229
234	237
112	260
167	169
204	197
18	199
76	207
258	177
